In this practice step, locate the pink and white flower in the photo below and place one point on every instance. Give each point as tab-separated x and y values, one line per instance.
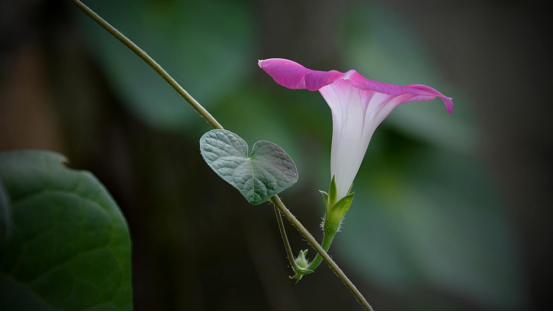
358	106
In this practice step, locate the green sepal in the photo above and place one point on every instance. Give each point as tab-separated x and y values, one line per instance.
301	260
301	273
337	213
304	271
325	198
301	266
332	194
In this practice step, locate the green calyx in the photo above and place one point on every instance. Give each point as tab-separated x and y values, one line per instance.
330	197
301	264
301	260
335	210
336	215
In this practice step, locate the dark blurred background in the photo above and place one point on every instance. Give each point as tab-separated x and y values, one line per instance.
450	212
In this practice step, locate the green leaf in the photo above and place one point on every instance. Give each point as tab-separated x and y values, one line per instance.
209	61
70	247
5	214
259	176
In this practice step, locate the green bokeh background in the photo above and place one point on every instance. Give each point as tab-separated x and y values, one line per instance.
450	212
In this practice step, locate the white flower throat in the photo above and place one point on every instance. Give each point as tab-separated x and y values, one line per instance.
355	115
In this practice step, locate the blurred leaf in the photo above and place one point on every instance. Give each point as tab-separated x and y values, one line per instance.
382	47
259	176
70	248
434	223
5	214
204	45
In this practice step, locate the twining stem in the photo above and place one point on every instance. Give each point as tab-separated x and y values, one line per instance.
327	241
285	238
311	240
144	56
204	113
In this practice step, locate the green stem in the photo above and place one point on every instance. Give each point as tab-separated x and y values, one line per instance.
327	241
311	240
202	111
285	239
144	56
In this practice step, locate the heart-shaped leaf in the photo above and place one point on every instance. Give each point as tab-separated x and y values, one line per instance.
69	246
259	176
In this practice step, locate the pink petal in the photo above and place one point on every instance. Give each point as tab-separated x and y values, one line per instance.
294	76
432	94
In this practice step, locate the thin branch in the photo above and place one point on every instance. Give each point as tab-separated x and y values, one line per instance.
143	55
285	239
278	203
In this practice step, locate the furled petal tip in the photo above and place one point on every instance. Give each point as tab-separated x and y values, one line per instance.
294	76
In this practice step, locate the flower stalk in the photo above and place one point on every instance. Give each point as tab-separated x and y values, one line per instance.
213	122
313	242
335	212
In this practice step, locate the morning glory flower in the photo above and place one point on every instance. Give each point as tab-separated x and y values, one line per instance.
358	106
